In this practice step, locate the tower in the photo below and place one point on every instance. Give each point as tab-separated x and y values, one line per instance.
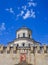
24	43
24	32
24	50
23	35
24	38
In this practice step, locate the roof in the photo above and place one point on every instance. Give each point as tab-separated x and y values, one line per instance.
23	28
29	39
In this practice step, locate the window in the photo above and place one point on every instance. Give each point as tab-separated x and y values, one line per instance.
23	34
23	44
18	35
17	45
29	44
29	35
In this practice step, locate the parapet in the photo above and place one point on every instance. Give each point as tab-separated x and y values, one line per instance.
33	49
39	49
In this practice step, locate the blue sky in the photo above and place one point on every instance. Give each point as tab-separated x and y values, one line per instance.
17	13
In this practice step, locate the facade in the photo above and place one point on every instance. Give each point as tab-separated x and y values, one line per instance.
24	50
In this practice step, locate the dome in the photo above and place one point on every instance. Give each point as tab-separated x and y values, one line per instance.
22	28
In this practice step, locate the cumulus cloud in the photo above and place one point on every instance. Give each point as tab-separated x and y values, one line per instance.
10	10
20	14
29	14
24	7
2	27
25	11
32	4
33	14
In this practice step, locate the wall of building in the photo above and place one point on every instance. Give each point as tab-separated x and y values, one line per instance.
20	33
34	56
21	41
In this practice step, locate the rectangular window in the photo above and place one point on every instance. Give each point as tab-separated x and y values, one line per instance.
29	35
18	35
23	34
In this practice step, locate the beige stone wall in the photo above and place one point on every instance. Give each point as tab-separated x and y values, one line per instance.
12	58
38	59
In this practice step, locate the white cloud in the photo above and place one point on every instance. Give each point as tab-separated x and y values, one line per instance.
33	14
25	10
27	15
2	27
20	14
10	10
24	7
32	4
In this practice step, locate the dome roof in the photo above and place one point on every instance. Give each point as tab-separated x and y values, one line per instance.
23	28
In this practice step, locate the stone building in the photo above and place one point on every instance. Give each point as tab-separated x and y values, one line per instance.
24	50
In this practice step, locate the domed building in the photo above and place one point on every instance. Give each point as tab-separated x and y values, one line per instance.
24	38
24	50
